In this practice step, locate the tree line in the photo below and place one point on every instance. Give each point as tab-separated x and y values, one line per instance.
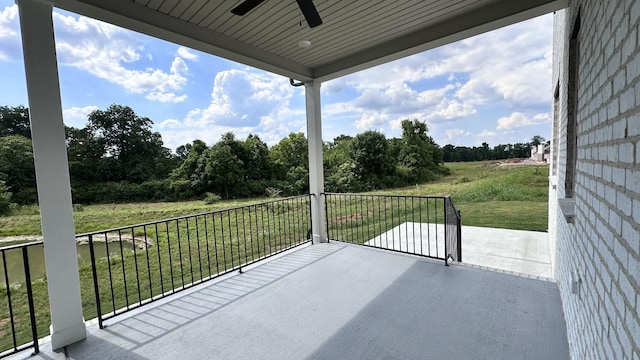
453	153
117	157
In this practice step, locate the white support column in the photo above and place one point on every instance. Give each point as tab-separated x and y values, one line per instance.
316	170
52	172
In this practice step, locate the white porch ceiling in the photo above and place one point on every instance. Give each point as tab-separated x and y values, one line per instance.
355	34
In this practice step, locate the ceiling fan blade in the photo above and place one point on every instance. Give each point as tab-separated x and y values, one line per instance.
310	12
245	7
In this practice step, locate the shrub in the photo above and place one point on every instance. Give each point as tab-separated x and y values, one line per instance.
272	192
5	196
211	198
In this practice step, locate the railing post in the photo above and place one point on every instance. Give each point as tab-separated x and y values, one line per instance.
32	311
94	272
446	232
459	239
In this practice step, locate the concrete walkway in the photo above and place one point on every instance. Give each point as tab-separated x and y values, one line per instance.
525	252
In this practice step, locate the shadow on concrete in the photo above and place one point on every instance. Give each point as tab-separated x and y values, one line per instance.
435	312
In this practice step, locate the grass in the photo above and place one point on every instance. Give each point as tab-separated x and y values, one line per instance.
488	195
513	197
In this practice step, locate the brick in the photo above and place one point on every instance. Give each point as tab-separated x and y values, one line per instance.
627	289
625	153
634	13
634	268
633	125
627	100
633	181
635	210
623	202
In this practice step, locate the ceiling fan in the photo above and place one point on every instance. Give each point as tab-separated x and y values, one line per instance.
306	6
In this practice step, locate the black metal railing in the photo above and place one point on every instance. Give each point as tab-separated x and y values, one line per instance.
407	224
453	230
17	311
146	262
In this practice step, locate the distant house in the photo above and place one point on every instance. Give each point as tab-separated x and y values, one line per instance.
540	152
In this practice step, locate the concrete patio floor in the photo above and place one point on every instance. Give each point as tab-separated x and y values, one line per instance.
339	301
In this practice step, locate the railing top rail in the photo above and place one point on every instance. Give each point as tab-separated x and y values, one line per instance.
388	195
19	246
128	227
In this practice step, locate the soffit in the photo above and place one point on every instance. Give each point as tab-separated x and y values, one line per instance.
355	34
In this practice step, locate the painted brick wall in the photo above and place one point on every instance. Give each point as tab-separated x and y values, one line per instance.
601	248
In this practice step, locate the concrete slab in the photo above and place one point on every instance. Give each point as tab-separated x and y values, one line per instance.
524	252
337	301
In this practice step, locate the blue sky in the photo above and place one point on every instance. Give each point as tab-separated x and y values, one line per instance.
495	87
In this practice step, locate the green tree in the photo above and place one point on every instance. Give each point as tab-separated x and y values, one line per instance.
290	159
537	140
17	168
370	153
129	149
256	158
14	120
5	199
85	154
223	168
419	152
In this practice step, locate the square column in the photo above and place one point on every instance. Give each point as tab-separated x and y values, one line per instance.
316	169
52	172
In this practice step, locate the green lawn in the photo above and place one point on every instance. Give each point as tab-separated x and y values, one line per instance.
509	197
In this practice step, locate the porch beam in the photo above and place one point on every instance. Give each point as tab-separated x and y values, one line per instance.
52	172
316	170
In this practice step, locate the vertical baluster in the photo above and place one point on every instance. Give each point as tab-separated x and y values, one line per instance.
173	286
32	310
9	302
180	251
198	247
113	297
124	272
146	251
94	273
135	261
188	231
215	243
159	259
206	242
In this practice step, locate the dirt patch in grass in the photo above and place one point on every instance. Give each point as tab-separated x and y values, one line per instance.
141	242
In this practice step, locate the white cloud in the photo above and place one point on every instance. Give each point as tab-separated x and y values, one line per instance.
9	34
169	124
186	53
455	134
166	97
243	101
370	121
510	67
103	50
244	98
517	120
487	134
78	112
